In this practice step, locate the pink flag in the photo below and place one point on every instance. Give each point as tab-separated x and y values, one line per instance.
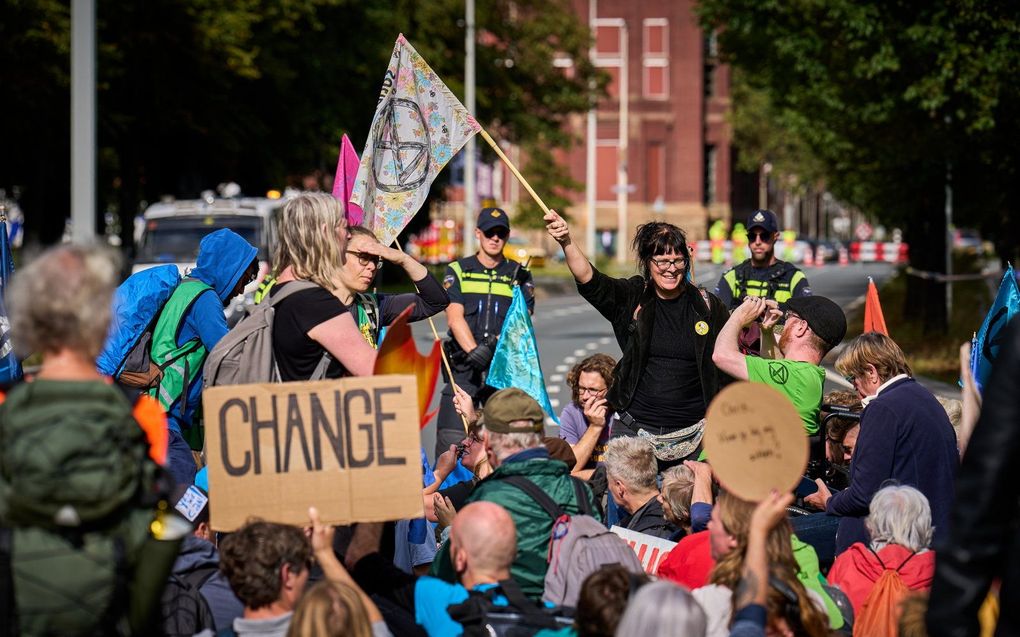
343	184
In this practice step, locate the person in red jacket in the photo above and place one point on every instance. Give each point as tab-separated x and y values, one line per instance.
899	522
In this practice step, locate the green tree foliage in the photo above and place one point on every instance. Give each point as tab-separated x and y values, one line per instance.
196	92
881	99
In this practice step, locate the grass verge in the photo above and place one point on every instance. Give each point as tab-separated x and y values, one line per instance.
933	356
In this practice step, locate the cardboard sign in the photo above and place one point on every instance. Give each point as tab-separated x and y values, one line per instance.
755	441
650	550
349	447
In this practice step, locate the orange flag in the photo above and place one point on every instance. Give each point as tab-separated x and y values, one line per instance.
874	321
399	355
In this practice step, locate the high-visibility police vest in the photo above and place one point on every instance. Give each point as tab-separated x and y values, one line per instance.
265	286
779	284
489	283
366	314
182	362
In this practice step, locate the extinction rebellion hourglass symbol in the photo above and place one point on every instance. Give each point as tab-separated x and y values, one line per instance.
401	160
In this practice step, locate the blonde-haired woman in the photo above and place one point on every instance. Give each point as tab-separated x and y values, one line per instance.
729	532
314	334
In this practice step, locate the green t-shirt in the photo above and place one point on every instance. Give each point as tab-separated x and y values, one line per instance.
800	382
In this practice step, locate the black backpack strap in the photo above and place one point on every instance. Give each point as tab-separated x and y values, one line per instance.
537	494
8	607
581	495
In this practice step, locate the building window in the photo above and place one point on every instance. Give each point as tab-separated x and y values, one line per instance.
609	51
655	58
710	175
655	171
711	61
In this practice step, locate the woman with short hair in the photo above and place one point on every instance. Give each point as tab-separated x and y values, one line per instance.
899	522
905	436
662	608
314	334
585	422
666	328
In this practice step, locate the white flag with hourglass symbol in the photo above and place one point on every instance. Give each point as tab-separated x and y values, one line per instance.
419	125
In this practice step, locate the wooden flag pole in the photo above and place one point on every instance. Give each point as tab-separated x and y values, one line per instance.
442	350
513	169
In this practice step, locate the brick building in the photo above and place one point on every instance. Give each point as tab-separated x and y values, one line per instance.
678	158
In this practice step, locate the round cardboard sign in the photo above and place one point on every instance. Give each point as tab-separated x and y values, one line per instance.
755	441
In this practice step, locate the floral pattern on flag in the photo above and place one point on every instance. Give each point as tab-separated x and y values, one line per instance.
419	125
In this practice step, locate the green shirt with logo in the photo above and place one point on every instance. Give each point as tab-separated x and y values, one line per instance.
801	382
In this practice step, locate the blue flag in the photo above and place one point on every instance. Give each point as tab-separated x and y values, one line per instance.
985	346
515	363
10	368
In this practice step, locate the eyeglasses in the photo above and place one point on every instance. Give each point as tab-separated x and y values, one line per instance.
365	259
664	264
850	378
766	237
790	314
589	390
498	231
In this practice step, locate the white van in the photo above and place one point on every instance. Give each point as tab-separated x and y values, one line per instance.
172	231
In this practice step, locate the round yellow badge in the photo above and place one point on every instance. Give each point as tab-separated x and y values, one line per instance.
701	328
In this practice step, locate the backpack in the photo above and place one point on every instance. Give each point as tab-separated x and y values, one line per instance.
880	613
138	305
519	617
185	610
78	495
579	545
245	354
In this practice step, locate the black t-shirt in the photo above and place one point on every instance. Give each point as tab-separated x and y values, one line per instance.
669	393
297	355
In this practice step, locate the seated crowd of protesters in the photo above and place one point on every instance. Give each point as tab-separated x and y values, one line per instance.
517	522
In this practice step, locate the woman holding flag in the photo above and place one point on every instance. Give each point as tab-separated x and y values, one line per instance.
666	328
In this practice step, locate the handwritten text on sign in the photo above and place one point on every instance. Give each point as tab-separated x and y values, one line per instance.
348	447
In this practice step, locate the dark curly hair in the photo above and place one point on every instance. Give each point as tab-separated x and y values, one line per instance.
602	364
603	598
658	237
252	557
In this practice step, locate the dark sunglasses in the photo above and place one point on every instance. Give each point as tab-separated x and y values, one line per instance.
759	234
365	259
498	231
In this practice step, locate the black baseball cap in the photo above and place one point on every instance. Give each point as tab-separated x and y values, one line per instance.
763	219
490	218
823	316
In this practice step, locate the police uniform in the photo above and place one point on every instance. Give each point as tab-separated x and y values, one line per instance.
780	281
486	294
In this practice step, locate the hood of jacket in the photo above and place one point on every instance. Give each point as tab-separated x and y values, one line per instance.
223	258
195	553
916	573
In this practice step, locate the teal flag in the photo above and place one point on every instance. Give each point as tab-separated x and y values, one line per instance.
515	363
985	346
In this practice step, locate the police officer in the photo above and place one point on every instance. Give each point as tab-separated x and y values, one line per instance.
480	289
763	274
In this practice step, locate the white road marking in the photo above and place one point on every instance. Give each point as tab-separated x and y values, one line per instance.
562	368
570	360
553	389
555	402
592	346
605	340
556	378
580	352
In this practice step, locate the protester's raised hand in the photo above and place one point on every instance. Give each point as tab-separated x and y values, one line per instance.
772	314
595	410
702	470
386	253
770	512
445	511
464	404
557	227
749	310
446	462
320	535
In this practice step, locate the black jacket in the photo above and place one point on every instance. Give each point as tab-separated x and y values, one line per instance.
983	540
618	301
650	520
